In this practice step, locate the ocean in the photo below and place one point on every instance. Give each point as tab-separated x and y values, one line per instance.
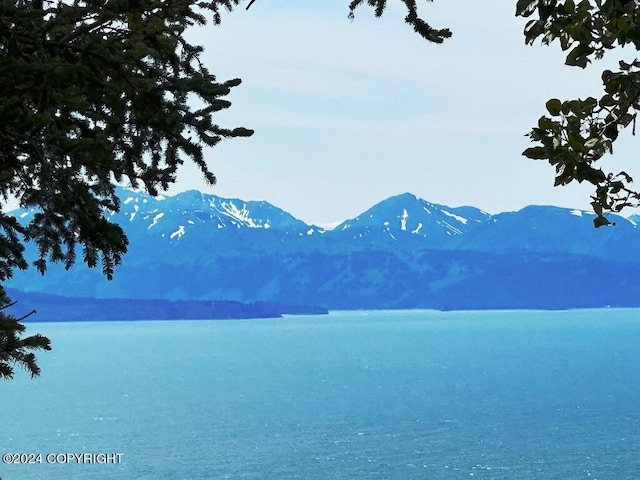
392	395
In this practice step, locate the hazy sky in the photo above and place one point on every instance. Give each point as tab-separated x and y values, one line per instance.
347	113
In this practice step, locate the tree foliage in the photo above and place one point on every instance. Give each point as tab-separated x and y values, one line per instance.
94	93
421	27
17	350
577	133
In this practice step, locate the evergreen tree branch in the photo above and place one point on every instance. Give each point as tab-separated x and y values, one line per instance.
420	26
17	350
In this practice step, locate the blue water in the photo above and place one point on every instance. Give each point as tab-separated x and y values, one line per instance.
358	395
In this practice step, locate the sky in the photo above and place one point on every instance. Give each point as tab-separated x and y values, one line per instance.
347	113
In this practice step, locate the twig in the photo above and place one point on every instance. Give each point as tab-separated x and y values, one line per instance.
27	315
7	306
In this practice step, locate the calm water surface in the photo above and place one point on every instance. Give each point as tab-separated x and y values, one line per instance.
353	395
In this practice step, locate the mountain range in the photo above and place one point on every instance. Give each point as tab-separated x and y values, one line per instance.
403	252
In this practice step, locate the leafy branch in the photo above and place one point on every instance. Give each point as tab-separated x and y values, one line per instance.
581	132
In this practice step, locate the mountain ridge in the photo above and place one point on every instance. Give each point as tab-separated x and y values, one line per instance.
403	252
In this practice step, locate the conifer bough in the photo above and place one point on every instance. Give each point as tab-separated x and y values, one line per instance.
93	93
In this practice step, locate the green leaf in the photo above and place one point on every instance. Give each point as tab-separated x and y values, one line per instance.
611	131
597	208
616	187
242	132
536	153
565	174
553	107
624	65
545	123
576	141
592	142
600	221
524	8
607	101
569	6
626	119
579	56
532	30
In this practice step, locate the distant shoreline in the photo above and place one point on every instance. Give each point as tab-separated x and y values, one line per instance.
53	308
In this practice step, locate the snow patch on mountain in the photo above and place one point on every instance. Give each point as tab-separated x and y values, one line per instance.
178	233
241	215
132	215
457	217
155	220
450	228
328	226
403	221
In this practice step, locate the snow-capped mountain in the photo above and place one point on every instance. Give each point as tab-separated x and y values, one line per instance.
407	218
552	229
403	252
175	216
